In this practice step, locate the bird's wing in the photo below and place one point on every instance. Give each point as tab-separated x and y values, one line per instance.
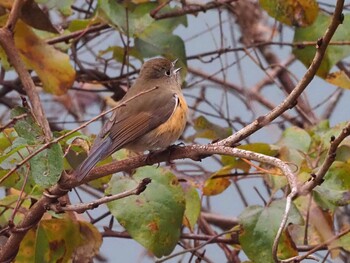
127	124
130	122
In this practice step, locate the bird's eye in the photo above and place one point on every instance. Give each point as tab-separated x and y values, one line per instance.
167	72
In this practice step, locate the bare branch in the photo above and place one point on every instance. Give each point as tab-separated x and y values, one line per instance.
81	208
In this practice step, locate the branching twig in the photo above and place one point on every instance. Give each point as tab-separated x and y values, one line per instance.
318	177
46	145
13	121
198	237
35	213
310	73
79	33
291	99
189	9
194	248
81	208
316	248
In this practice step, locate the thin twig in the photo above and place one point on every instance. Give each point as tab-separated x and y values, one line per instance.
198	237
46	145
195	152
304	82
81	208
316	248
318	177
13	121
194	248
189	9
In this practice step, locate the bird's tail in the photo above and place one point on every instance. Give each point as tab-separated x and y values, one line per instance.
97	153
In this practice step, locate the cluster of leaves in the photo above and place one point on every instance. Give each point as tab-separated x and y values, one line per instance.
310	24
156	217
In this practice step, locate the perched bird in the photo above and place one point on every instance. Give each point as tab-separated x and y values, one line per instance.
148	120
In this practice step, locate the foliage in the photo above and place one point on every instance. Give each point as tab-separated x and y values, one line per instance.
78	53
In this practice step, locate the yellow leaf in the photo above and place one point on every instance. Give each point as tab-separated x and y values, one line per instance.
206	129
300	13
52	66
215	184
339	79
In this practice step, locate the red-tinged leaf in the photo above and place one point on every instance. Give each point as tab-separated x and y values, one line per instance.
154	217
62	240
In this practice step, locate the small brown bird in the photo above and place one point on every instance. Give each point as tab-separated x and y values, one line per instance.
150	121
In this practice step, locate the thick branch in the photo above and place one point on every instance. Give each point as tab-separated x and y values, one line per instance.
9	250
8	44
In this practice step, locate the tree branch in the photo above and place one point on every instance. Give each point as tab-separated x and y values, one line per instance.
81	208
196	152
310	73
291	99
8	44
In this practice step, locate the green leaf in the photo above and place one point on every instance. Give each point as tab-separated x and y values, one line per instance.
154	217
134	19
79	24
334	191
296	138
118	53
193	207
345	241
294	146
333	53
137	20
327	134
46	167
260	226
6	137
300	13
7	204
152	37
153	43
27	127
15	149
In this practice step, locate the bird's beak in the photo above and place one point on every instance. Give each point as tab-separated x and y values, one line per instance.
174	62
176	70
